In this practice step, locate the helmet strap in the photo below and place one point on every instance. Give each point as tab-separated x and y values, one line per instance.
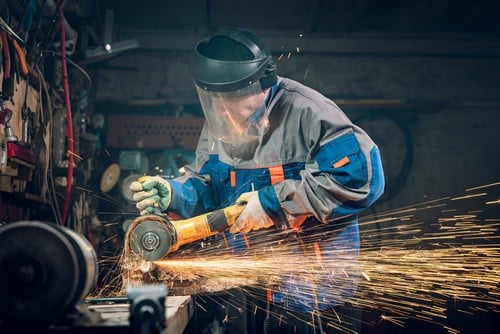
269	76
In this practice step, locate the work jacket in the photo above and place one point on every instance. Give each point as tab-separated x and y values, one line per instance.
314	171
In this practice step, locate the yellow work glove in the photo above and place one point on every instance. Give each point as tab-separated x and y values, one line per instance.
253	216
151	192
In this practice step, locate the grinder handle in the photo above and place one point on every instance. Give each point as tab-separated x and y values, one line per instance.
206	225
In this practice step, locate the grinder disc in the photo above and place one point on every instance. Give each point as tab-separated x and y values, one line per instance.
150	239
110	177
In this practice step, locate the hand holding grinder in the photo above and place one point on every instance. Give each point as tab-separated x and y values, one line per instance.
152	236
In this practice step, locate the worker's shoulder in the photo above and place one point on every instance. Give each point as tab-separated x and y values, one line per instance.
305	101
292	86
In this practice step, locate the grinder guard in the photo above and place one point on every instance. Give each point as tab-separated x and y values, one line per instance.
151	237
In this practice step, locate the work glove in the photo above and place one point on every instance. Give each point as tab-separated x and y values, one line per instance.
150	193
253	216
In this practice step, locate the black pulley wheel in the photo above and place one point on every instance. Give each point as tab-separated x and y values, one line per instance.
151	240
44	270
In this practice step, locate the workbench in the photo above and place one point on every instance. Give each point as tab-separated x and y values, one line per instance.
113	316
178	312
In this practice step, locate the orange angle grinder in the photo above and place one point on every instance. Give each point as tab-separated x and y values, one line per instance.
152	237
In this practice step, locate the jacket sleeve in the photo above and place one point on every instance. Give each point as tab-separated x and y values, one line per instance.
192	193
343	174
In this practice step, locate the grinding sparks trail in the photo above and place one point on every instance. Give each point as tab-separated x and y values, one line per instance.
400	282
407	268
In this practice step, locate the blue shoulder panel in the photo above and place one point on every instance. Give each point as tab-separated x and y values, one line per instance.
353	174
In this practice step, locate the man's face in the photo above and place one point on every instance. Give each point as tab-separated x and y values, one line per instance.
236	117
236	111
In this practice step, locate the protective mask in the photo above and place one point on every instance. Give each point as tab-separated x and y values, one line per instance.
237	117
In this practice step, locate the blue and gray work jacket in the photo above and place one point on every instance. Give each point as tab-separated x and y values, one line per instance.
313	162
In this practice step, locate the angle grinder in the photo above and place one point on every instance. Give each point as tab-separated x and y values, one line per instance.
152	237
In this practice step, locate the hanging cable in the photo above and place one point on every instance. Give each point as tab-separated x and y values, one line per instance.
46	133
69	120
75	65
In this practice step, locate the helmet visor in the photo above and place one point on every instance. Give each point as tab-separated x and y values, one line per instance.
235	117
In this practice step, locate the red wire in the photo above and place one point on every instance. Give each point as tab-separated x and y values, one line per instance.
69	121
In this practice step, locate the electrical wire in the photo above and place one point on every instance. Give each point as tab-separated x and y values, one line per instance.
49	179
71	62
69	120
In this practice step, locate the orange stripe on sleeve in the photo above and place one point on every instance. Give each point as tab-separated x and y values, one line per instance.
232	176
341	163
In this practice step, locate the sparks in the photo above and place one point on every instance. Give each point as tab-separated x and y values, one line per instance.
415	267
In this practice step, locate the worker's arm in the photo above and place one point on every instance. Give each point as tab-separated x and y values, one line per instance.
192	193
186	196
343	176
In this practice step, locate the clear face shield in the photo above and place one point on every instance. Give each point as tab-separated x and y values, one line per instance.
236	117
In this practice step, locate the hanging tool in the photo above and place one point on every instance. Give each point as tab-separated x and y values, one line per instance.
7	29
32	126
8	81
21	56
25	114
5	116
16	153
152	237
28	18
3	154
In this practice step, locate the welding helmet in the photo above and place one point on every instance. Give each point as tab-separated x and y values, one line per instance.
232	72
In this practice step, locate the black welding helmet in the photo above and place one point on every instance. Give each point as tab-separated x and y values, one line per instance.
232	72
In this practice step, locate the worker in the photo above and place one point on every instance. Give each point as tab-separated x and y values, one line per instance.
292	156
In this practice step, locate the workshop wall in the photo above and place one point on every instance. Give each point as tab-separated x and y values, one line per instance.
21	118
438	79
